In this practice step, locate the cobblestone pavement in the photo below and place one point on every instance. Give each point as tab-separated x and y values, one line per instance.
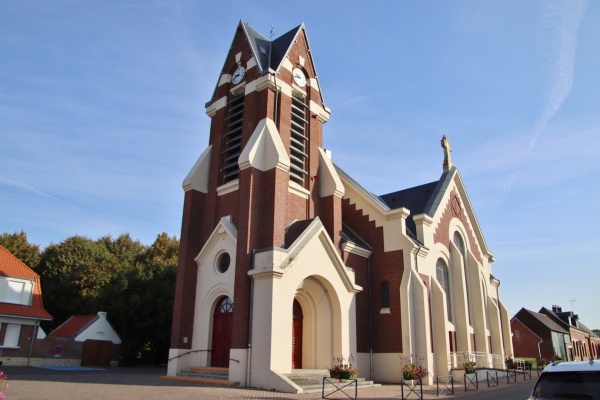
29	383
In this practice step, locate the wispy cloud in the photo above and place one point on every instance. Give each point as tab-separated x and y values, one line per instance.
29	189
558	41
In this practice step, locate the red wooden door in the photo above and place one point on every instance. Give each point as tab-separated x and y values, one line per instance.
297	337
221	338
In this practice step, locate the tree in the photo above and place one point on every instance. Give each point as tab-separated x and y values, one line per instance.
18	245
72	274
143	314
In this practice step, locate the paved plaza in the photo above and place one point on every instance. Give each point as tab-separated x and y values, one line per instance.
29	383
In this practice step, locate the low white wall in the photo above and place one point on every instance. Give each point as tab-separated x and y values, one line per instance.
363	363
238	368
387	367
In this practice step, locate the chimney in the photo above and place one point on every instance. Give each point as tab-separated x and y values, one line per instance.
556	309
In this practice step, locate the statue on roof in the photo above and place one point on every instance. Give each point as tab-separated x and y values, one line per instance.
447	156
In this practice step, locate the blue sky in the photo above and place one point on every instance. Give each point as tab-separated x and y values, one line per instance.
102	116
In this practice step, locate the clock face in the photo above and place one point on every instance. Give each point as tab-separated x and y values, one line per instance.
299	77
238	75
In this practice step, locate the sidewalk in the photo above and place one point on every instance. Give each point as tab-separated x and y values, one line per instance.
27	383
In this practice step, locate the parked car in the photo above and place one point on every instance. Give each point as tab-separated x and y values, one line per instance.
568	380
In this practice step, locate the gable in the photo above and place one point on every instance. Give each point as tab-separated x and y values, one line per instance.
225	230
309	250
450	201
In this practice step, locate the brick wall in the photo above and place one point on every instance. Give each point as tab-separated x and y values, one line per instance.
385	266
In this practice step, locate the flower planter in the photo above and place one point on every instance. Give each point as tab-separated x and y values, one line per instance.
469	371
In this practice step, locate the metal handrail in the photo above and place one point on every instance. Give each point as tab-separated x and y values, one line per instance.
189	352
483	360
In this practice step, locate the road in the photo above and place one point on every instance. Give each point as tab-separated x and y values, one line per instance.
520	391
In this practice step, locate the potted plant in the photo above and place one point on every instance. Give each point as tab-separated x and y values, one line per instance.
540	362
412	370
510	363
469	367
343	368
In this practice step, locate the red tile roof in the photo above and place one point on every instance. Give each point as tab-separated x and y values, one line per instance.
11	266
73	326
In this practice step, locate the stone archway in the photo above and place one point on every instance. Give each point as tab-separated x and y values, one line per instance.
321	330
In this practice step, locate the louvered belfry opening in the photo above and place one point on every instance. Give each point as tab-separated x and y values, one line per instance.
233	139
299	141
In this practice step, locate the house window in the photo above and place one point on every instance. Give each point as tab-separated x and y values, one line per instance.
441	270
11	337
232	139
384	298
517	334
299	141
16	291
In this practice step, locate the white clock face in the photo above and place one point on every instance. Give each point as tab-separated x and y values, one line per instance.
299	77
238	75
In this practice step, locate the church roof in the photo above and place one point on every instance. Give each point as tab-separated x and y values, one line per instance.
348	235
261	46
422	199
415	199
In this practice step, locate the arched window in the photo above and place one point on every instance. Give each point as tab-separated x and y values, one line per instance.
460	244
441	270
225	306
384	296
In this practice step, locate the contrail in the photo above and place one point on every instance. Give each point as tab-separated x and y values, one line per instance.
559	42
30	189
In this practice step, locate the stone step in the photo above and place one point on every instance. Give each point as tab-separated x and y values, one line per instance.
204	375
311	380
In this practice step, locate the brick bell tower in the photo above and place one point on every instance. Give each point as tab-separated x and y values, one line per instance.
264	168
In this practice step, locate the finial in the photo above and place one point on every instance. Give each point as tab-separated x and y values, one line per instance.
447	150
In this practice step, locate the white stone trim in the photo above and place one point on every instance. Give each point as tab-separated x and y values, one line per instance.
298	190
197	178
228	187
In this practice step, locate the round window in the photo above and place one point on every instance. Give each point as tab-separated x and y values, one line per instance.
223	263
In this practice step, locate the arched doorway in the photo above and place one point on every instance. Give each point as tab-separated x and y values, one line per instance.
297	336
221	337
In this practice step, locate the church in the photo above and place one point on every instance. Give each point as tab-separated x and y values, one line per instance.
287	263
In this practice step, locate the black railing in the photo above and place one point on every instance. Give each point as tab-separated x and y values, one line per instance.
340	385
471	381
412	388
493	377
189	352
444	385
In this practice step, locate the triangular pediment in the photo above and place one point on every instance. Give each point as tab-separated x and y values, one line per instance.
276	262
224	231
451	195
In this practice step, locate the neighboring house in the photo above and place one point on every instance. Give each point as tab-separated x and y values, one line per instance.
287	262
21	310
584	343
101	342
553	334
537	335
